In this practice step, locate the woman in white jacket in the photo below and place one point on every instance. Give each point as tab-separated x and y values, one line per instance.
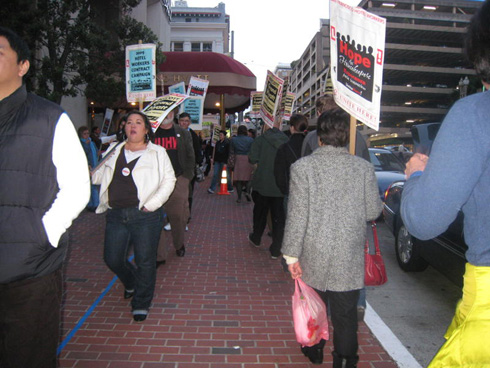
134	183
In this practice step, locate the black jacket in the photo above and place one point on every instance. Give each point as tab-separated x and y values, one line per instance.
286	155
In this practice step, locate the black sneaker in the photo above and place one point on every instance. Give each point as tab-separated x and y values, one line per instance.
180	252
252	242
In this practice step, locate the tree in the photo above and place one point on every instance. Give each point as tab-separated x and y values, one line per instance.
73	52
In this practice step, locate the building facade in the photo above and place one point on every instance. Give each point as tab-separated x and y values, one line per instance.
199	29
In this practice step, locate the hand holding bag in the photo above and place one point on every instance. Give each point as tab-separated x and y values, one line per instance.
309	315
375	272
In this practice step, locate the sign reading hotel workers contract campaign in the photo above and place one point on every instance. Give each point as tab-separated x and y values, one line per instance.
141	73
158	110
271	98
357	46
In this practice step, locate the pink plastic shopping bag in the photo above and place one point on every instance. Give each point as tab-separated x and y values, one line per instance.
309	315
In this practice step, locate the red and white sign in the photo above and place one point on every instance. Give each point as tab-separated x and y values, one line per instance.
357	46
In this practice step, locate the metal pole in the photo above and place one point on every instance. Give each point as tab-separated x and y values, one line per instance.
222	111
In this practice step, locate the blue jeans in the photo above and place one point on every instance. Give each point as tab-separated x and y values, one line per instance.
130	226
218	167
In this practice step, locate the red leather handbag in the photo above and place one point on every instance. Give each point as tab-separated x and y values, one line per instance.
375	272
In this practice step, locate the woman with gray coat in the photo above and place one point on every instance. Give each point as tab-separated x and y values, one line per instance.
332	196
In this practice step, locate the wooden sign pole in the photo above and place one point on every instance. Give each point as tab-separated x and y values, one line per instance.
352	139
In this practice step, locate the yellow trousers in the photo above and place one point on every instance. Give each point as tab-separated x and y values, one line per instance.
468	336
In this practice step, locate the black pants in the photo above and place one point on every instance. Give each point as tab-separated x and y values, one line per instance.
343	314
262	205
30	322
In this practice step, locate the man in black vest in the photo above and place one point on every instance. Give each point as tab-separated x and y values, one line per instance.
44	185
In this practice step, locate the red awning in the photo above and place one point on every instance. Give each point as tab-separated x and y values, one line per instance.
226	77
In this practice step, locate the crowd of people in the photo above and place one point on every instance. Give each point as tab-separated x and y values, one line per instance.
315	197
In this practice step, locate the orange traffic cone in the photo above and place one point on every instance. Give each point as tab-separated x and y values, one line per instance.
223	189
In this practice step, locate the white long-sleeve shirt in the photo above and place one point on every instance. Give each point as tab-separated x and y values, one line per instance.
73	180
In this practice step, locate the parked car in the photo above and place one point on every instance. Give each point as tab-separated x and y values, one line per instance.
446	252
388	168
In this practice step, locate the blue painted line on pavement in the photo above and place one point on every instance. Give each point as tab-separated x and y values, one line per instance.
87	314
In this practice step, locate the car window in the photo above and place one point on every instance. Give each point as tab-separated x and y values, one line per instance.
385	161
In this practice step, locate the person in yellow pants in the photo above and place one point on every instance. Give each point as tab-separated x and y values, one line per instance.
457	178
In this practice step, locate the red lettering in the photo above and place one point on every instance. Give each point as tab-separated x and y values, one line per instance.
343	48
169	143
354	56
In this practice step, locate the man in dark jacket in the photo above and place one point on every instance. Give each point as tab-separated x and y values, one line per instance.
265	193
178	143
220	158
44	185
185	122
289	152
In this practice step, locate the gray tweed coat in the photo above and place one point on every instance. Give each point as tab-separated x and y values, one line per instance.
332	195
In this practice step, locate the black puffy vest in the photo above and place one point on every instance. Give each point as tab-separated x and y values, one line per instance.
28	186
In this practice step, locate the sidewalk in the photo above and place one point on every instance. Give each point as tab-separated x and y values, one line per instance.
226	304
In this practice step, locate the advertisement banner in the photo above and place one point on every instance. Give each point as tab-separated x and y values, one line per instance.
197	87
357	46
271	99
140	73
158	110
256	98
194	106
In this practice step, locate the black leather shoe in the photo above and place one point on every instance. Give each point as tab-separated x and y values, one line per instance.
314	354
161	263
139	317
128	294
250	239
180	252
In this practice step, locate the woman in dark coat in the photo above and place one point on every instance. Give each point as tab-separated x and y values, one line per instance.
242	173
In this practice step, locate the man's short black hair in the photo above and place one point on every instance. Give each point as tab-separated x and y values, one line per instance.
333	128
184	115
16	43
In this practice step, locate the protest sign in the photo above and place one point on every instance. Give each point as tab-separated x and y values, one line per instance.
208	122
158	110
357	42
194	106
197	87
288	105
271	98
106	126
256	98
177	88
140	73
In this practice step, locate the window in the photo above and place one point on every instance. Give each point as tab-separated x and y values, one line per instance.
177	46
207	46
196	46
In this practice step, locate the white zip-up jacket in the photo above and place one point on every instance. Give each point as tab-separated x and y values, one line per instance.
153	176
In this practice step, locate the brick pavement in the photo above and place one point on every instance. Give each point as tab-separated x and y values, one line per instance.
226	304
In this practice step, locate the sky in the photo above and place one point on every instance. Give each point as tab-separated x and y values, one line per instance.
268	32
